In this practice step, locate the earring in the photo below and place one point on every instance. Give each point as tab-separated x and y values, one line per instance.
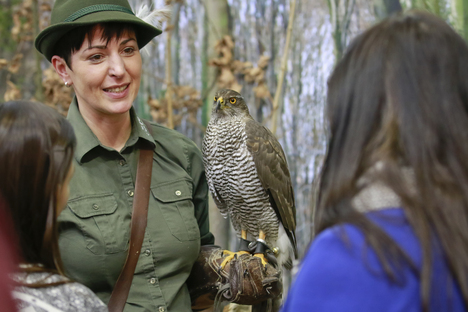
66	84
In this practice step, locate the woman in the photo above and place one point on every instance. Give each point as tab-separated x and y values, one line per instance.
393	208
37	146
8	260
94	47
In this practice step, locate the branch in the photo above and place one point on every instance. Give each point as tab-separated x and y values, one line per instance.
284	63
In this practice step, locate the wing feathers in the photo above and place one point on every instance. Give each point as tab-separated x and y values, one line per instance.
272	169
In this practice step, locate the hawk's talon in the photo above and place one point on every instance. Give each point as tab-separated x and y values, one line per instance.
262	258
231	255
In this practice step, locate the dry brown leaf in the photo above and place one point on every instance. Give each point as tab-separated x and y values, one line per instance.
12	93
239	67
3	63
176	119
154	103
263	61
56	94
15	63
261	91
185	102
45	7
15	30
27	5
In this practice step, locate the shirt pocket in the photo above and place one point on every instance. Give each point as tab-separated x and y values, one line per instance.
175	200
100	222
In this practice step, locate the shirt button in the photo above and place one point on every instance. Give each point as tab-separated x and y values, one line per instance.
130	193
161	309
122	162
147	252
178	193
95	207
152	281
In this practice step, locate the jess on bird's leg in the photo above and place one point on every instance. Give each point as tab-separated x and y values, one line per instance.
261	248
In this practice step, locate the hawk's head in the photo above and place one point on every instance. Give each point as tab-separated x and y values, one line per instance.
229	103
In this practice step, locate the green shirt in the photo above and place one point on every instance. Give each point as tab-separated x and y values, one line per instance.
95	226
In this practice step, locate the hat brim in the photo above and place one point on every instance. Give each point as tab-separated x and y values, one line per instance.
46	40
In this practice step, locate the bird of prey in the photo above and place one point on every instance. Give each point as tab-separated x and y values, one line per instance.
249	179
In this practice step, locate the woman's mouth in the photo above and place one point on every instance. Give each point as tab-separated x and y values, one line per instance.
116	90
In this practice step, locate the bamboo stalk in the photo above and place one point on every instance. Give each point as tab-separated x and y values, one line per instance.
39	93
284	63
168	96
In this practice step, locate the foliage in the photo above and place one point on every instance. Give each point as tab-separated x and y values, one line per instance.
57	95
230	70
186	102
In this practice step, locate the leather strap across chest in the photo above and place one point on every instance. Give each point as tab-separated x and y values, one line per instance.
138	226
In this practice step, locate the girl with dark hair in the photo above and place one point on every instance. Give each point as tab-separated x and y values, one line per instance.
36	151
392	216
8	259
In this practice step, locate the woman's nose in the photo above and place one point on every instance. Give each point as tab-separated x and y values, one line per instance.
116	66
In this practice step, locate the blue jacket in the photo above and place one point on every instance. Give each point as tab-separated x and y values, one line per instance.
344	275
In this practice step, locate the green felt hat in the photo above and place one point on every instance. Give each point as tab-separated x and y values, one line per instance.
70	14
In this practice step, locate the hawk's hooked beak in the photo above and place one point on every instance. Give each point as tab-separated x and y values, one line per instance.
219	104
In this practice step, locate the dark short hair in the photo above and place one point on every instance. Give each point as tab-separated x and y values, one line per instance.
36	152
75	38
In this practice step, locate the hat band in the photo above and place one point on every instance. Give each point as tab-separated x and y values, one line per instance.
96	8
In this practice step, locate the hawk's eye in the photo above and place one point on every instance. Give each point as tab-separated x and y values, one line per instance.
232	100
215	98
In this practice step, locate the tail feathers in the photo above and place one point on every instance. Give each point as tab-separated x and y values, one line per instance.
286	249
292	239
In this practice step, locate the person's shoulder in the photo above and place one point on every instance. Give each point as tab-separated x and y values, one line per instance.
335	247
339	236
85	298
69	296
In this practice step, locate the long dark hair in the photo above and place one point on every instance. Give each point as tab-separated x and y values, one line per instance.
399	97
36	151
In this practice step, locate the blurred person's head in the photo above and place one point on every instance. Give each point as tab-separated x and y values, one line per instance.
398	101
36	151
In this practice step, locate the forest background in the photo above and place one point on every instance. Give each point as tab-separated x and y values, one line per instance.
277	53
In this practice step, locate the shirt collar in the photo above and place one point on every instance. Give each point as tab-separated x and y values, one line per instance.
87	140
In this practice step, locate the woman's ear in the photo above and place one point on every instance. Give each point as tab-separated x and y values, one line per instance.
61	68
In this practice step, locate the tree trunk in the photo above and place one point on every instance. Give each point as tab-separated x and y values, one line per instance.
38	94
284	62
460	12
216	26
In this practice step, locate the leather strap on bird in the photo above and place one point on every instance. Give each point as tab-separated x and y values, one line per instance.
244	280
138	226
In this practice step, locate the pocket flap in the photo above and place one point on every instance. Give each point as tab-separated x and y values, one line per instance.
90	206
173	191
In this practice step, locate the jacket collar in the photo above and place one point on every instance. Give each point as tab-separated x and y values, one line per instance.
87	140
376	195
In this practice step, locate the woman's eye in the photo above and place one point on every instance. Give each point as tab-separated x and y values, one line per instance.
215	98
232	100
95	57
129	50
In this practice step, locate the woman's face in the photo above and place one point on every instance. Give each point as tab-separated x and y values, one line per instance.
106	76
